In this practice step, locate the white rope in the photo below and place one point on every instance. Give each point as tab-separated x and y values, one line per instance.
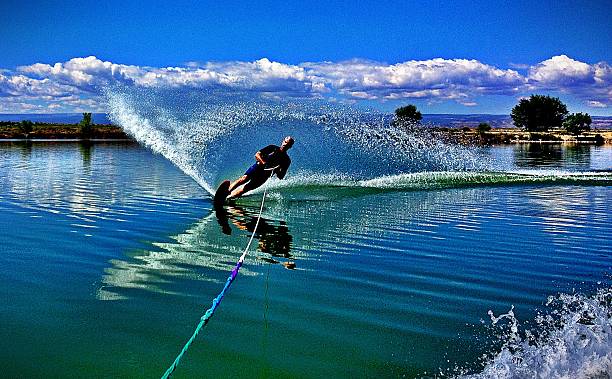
217	300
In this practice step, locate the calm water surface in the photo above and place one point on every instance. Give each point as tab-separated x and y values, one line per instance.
109	255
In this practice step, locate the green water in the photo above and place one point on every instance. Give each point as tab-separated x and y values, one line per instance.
109	256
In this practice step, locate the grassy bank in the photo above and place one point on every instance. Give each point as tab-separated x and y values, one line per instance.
12	130
466	135
500	136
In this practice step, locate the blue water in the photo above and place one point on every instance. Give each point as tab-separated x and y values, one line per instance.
385	252
110	254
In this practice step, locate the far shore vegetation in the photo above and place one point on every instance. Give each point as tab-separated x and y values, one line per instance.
539	118
84	130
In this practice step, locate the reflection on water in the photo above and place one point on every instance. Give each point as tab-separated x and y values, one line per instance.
199	253
393	282
85	182
26	149
85	147
552	155
274	240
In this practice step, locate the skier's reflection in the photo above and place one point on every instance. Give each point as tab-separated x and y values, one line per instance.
274	240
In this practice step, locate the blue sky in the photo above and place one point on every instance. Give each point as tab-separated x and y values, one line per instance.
520	36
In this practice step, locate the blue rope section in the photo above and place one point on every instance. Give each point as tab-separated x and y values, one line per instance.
217	300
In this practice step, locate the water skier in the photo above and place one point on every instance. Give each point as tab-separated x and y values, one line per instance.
270	157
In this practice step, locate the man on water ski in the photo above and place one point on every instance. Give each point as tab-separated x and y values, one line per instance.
269	159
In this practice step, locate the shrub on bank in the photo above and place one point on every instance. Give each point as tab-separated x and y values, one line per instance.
483	127
26	127
86	126
409	113
577	123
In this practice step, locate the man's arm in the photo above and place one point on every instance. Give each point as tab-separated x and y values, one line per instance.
259	158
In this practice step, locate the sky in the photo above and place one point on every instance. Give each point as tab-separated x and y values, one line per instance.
443	56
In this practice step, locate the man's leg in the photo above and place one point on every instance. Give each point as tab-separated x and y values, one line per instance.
252	171
240	181
236	193
251	185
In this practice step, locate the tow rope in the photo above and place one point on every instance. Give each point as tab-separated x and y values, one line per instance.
217	300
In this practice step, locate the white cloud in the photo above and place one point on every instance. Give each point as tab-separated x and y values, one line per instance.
562	73
77	83
443	78
90	74
518	66
21	85
86	74
362	95
15	105
596	104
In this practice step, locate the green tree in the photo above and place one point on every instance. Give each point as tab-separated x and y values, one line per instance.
409	113
538	113
26	127
577	123
483	127
86	126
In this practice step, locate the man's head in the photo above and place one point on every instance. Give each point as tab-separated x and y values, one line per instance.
287	143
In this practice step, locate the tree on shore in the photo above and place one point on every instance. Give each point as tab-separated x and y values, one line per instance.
483	127
539	113
409	113
577	123
26	127
86	126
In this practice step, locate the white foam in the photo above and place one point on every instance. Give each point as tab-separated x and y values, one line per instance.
204	135
334	141
429	179
573	341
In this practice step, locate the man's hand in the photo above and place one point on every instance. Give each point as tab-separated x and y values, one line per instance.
259	159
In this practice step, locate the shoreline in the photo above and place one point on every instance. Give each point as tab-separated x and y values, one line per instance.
48	132
51	131
507	136
90	140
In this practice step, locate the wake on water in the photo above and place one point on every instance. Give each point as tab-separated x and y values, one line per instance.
572	339
213	136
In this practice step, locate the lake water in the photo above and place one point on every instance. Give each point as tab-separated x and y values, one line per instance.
109	255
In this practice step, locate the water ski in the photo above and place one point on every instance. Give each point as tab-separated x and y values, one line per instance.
221	194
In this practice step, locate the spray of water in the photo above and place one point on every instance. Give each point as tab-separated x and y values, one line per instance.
213	135
572	338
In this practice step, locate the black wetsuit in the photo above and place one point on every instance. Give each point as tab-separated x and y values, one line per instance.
273	156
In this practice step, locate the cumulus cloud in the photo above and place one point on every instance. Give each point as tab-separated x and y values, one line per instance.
593	83
561	71
77	83
23	86
90	74
86	74
440	78
596	104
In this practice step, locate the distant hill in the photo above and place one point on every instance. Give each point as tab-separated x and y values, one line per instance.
445	120
471	120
